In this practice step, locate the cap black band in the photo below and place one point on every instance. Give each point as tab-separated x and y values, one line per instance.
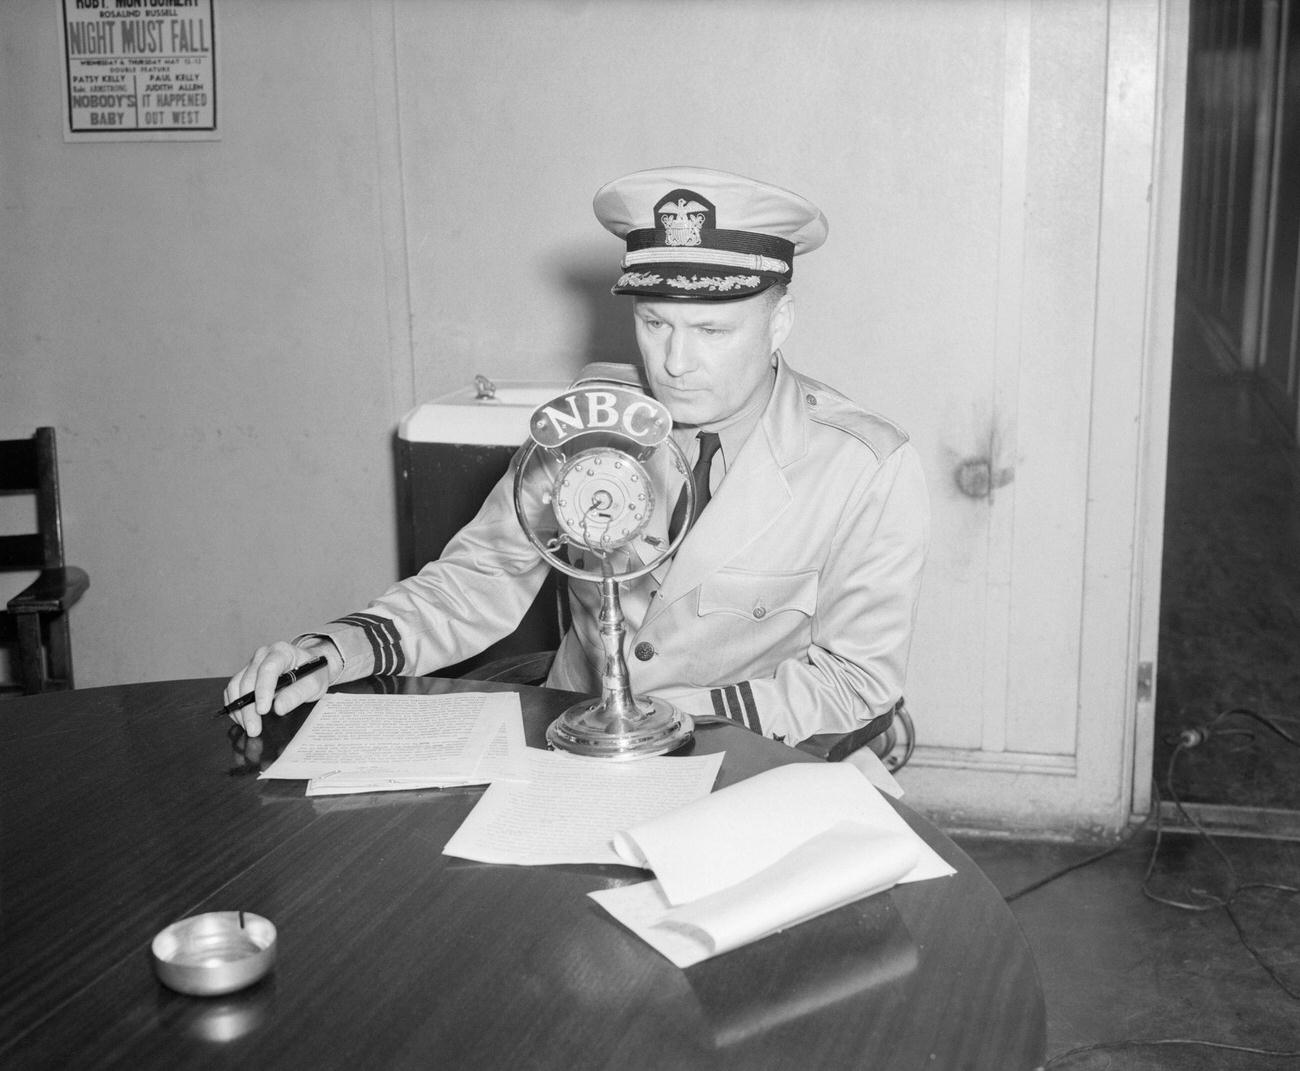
765	245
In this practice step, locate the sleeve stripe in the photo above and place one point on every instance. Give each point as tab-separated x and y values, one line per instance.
384	641
736	701
751	708
353	621
376	648
733	708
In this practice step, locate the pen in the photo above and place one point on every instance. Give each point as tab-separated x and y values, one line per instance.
285	680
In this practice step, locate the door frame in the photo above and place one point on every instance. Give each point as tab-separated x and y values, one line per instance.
1161	289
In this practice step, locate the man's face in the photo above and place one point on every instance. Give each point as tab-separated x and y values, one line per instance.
710	362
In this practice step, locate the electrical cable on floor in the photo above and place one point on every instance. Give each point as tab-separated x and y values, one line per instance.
1090	861
1122	842
1194	738
1187	739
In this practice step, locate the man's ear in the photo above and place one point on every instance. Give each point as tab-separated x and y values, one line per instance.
781	321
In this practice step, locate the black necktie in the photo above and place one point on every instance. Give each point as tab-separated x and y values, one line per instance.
709	444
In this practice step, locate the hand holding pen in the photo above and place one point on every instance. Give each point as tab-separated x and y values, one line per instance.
274	681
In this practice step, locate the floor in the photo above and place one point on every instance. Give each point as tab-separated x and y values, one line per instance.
1149	948
1119	968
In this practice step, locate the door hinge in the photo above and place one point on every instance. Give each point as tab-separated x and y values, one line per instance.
1144	682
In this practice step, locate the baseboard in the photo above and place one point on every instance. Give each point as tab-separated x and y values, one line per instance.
1271	823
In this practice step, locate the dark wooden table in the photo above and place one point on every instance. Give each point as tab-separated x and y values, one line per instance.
127	808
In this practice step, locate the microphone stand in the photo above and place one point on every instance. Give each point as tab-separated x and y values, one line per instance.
619	725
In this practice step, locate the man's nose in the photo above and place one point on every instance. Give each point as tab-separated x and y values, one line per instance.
679	358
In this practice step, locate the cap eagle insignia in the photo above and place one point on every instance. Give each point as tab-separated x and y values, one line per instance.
682	220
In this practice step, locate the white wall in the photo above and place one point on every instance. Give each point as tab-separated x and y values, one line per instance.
205	323
226	333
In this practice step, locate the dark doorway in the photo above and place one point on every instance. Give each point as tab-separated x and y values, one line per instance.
1228	687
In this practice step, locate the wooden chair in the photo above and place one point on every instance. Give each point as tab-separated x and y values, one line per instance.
890	735
36	619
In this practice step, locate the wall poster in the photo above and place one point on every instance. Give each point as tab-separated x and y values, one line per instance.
139	70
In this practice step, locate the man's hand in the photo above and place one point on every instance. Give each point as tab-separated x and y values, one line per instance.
265	668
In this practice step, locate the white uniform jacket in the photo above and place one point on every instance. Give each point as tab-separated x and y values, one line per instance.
788	607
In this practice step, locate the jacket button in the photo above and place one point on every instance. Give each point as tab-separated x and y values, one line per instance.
759	612
644	651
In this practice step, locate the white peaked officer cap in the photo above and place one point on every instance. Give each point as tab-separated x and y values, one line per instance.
702	235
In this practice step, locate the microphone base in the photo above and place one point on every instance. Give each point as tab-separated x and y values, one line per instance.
603	729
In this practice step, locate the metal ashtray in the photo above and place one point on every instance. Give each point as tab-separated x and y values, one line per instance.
217	952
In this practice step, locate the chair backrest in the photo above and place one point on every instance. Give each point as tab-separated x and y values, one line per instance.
31	466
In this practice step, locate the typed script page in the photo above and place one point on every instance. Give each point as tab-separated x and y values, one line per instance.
571	807
443	736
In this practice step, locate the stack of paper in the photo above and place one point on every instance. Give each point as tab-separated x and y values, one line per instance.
366	743
763	855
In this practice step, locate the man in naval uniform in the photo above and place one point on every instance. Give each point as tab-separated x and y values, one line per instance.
789	605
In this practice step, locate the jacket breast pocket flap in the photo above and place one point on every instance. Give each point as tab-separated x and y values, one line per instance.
755	595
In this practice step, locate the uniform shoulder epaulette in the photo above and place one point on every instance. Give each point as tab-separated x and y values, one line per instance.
623	375
829	407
